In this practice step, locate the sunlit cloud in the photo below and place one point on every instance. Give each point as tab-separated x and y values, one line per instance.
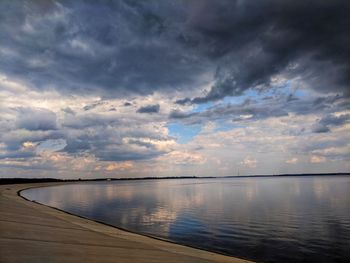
293	160
317	159
119	166
249	162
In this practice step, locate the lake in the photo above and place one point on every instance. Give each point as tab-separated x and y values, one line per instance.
266	219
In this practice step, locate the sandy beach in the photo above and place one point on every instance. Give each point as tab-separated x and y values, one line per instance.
30	232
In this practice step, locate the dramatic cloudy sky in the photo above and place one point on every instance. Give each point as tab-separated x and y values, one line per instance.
171	88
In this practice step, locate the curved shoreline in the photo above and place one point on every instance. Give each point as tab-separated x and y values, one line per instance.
74	238
116	227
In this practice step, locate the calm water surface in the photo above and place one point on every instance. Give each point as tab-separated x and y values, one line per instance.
286	219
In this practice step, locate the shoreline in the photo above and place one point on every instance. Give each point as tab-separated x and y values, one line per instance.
105	244
20	180
116	227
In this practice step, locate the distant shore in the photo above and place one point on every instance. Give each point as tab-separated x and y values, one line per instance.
52	180
31	232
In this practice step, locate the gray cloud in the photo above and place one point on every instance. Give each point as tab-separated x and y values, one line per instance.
335	120
14	139
86	120
111	138
124	155
68	110
323	124
93	105
17	154
270	106
149	109
176	114
77	145
36	119
320	128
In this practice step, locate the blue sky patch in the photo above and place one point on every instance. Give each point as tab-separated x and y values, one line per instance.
183	133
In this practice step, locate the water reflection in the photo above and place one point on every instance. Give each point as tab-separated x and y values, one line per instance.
285	219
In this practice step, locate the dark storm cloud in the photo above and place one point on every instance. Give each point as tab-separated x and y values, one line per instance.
116	48
104	48
256	40
149	109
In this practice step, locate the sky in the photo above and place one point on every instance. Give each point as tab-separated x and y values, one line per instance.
95	89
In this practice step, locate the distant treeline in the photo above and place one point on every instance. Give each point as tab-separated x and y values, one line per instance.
27	180
281	175
48	180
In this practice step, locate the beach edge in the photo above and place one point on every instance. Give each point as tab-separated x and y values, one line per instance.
10	197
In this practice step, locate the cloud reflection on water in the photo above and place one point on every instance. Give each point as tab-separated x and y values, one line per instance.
248	217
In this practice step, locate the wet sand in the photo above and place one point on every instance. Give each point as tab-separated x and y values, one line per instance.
30	232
